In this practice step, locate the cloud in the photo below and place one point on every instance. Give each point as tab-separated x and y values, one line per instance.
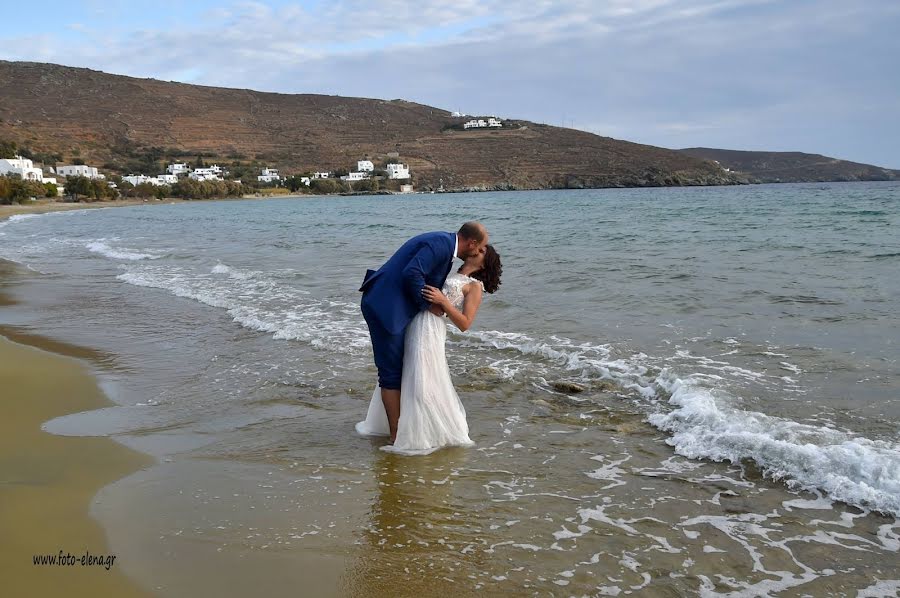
743	74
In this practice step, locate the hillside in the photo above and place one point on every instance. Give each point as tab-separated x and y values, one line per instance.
114	121
792	167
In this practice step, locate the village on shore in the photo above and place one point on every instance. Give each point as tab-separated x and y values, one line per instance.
21	180
72	180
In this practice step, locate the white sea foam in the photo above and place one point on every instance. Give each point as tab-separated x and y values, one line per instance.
587	358
17	218
881	589
106	250
257	301
706	425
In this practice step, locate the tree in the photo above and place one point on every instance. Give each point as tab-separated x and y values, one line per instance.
295	184
144	190
7	149
50	190
14	189
79	185
366	185
186	188
47	158
325	186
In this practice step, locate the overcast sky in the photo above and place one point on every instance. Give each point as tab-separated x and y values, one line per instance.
816	76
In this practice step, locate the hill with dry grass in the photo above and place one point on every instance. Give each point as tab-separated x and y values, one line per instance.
792	167
120	123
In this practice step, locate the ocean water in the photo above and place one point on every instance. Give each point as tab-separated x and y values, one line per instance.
738	431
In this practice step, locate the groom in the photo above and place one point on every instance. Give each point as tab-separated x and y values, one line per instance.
392	296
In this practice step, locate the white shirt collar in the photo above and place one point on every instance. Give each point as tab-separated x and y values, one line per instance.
455	247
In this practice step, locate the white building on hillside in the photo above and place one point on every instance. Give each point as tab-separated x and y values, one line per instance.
398	171
321	175
269	175
167	179
177	168
480	123
365	166
355	176
22	167
140	179
79	170
213	173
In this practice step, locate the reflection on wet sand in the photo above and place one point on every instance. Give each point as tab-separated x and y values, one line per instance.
416	520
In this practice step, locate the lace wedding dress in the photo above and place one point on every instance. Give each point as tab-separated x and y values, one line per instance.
431	414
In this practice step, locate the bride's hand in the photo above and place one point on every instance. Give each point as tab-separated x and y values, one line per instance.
434	296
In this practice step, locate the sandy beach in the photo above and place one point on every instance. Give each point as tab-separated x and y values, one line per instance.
42	206
49	481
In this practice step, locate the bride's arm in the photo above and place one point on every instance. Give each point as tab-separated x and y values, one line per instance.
462	319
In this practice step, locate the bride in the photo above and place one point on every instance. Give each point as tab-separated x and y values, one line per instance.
431	414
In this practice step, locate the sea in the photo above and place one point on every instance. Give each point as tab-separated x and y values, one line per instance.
674	392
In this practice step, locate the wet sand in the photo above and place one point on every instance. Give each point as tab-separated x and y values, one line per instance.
44	206
48	482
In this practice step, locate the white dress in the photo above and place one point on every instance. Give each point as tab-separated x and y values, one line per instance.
431	414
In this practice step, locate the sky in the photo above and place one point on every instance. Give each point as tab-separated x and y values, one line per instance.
793	75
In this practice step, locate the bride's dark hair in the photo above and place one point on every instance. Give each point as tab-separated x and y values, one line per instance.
490	271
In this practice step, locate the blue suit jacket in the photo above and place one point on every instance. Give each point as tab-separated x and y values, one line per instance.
392	295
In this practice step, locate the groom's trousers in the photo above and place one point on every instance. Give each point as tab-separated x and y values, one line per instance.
388	349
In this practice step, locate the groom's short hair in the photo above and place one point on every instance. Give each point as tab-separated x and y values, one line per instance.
472	230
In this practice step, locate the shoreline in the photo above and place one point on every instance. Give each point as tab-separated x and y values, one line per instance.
45	207
49	481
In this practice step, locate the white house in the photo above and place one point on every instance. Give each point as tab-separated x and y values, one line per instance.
305	180
213	173
355	176
398	171
269	175
321	175
79	170
22	167
178	168
365	166
139	179
167	179
480	123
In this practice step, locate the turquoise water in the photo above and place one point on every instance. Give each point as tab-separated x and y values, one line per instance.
742	334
